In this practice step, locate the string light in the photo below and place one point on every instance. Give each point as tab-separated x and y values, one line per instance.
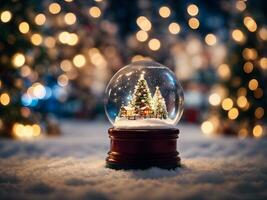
250	53
238	36
141	36
248	67
193	23
95	12
214	99
70	18
207	127
257	131
164	12
79	60
227	104
18	60
4	99
143	23
36	39
24	27
54	8
6	16
233	113
192	9
253	84
242	101
40	19
174	28
154	44
210	39
250	23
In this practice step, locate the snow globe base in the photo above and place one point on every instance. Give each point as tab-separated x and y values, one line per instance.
143	148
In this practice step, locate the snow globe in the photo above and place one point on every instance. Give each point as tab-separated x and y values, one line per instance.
144	102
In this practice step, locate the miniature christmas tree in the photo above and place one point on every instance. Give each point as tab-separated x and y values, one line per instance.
160	110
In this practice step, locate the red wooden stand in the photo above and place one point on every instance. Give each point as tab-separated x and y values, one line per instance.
143	148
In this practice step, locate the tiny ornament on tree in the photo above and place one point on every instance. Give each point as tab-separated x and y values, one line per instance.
144	102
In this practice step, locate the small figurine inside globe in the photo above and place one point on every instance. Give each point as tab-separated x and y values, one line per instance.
144	102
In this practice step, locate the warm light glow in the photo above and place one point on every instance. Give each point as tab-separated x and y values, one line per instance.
164	11
192	10
143	23
4	99
240	5
258	93
174	28
253	84
238	36
243	133
18	60
6	16
36	130
65	65
95	12
73	39
250	24
54	8
250	53
207	127
242	101
36	39
210	39
22	131
259	112
70	18
227	104
79	60
62	80
40	19
214	99
50	42
263	63
224	71
38	91
233	113
24	27
263	33
193	23
248	67
257	131
141	36
137	58
154	44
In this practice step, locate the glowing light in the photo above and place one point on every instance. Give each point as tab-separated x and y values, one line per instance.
70	18
263	63
263	33
62	80
27	131
164	12
233	113
240	5
193	23
243	133
259	112
249	53
73	39
36	130
227	104
4	99
24	27
214	99
50	42
154	44
36	39
54	8
238	36
250	23
242	101
174	28
137	58
248	67
18	60
224	71
6	16
258	93
253	84
79	60
143	23
141	36
63	37
257	131
38	91
210	39
66	65
40	19
207	127
95	12
192	9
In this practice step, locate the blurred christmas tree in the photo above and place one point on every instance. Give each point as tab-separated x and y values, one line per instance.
240	101
159	105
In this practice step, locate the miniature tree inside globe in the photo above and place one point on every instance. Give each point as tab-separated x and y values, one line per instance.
144	102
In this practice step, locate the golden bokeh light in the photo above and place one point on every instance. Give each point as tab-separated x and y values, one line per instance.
24	27
227	104
263	63
73	39
233	113
253	84
54	8
257	131
36	39
40	19
258	93
95	12
250	53
240	5
193	23
141	36
238	36
18	60
242	133
250	23
154	44
4	99
164	11
79	60
174	28
6	16
242	101
259	113
63	80
242	91
70	18
50	42
248	67
38	91
224	71
143	23
27	131
214	99
263	33
210	39
207	127
192	10
66	65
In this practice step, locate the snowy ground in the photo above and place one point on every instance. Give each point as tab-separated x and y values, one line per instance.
72	167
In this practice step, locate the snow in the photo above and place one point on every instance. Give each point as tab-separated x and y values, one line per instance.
73	167
148	123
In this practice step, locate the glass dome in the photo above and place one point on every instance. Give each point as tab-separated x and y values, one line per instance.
144	94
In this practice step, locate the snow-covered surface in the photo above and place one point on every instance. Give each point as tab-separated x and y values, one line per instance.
72	167
148	123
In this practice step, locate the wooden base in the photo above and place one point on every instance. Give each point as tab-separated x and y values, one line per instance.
143	148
